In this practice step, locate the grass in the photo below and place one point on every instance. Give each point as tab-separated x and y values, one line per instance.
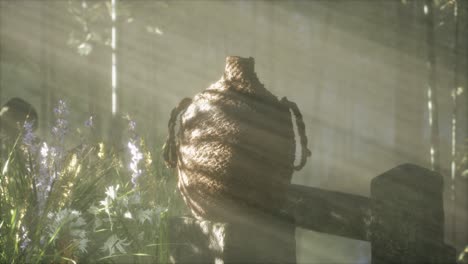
89	204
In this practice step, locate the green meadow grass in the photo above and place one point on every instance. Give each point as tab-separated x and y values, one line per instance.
93	203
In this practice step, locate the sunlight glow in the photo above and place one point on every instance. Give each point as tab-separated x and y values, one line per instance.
205	107
429	104
430	118
113	40
114	57
195	134
192	110
187	151
432	155
73	163
453	167
4	110
455	9
454	148
101	153
453	170
128	215
189	113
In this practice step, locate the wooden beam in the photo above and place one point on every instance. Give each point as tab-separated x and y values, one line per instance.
330	212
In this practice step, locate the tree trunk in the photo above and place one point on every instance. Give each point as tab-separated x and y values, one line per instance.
432	84
400	127
460	108
464	98
44	64
115	127
1	48
1	63
453	168
94	80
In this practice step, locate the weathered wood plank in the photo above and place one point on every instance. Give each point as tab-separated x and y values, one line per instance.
330	212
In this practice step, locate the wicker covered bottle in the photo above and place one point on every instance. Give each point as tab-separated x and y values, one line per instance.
235	148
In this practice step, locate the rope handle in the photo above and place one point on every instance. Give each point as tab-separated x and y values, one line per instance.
305	152
169	148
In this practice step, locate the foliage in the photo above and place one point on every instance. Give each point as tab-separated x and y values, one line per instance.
82	204
93	20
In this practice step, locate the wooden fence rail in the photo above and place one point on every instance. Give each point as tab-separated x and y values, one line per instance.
403	220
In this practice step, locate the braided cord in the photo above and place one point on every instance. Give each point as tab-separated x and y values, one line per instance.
169	148
305	152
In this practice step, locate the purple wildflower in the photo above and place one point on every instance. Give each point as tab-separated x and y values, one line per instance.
89	122
61	124
59	131
29	137
61	108
131	125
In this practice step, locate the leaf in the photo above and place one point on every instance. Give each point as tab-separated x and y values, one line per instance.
5	167
82	245
114	243
144	215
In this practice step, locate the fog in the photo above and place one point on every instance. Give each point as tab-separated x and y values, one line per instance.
358	71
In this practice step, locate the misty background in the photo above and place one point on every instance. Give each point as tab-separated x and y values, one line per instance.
358	70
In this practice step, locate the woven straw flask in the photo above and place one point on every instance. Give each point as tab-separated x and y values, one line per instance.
235	148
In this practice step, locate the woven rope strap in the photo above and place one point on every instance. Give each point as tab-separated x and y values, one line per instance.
305	152
169	148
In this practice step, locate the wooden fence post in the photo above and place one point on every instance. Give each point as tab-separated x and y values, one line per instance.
408	217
